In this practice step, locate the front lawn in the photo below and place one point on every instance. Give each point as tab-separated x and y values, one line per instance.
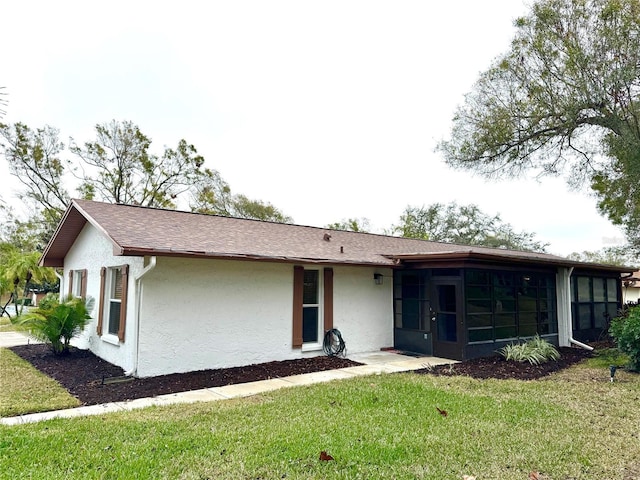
574	425
24	389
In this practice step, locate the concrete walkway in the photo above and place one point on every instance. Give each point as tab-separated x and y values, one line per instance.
374	363
12	339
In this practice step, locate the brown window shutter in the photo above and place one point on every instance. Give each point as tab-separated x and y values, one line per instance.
103	274
83	284
70	282
298	286
123	304
328	299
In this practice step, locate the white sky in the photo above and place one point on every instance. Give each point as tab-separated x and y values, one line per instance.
326	109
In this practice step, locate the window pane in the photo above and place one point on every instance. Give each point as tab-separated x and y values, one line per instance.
584	293
447	327
612	309
479	321
447	298
528	330
481	335
478	306
310	291
505	320
505	293
114	317
478	292
527	301
478	277
584	316
505	305
505	332
612	290
116	283
503	279
598	289
528	318
599	309
310	324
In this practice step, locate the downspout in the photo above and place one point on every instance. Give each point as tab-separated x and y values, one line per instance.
567	299
136	345
60	281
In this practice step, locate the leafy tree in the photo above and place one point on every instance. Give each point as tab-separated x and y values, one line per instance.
34	160
117	167
126	172
352	225
609	255
19	269
465	225
563	99
3	103
212	195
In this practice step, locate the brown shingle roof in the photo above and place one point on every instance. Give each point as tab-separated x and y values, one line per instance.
136	231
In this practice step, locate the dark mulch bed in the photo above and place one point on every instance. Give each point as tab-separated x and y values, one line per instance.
89	378
498	367
94	381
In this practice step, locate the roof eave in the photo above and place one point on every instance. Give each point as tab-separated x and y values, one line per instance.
470	255
139	252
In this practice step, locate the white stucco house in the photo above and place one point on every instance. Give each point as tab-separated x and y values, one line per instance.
178	291
631	288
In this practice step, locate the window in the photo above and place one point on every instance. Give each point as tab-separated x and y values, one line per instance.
504	305
411	301
312	305
594	301
78	283
113	301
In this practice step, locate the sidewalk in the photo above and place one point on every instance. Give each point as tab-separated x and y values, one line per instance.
374	363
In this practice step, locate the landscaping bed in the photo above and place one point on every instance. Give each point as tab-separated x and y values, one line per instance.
497	367
93	380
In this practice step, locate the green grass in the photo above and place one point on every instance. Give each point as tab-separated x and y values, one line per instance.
24	389
6	325
605	357
576	425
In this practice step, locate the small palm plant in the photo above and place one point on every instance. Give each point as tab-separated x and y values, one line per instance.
55	322
535	351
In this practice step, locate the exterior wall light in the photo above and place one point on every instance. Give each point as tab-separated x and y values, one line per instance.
378	278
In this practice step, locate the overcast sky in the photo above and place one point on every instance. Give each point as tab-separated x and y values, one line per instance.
327	109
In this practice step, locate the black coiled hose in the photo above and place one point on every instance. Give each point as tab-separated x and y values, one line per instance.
333	343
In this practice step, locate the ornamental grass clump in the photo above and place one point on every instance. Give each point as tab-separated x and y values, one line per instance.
55	322
535	351
625	330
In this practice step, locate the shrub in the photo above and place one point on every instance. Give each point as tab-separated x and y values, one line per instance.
625	330
535	351
56	323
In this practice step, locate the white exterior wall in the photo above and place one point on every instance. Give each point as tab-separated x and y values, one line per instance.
630	294
92	251
198	314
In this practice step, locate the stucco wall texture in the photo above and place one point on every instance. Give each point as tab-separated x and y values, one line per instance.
190	314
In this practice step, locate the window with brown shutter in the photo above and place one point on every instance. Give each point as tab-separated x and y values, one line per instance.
312	301
113	301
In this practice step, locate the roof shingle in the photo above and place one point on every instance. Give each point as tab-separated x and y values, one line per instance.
138	231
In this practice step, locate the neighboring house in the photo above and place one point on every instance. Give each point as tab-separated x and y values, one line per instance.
631	288
178	291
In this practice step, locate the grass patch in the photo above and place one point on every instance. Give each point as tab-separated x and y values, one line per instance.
374	427
24	389
605	357
6	325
